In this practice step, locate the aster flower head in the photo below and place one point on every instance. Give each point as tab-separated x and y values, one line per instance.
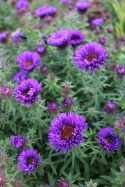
21	76
64	183
46	11
82	6
68	102
120	71
6	92
110	30
102	40
27	92
44	69
98	22
18	141
53	107
110	108
29	160
41	11
77	38
28	61
4	36
41	50
66	1
108	140
66	131
23	4
91	57
51	11
60	38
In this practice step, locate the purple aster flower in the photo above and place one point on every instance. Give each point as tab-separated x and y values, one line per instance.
49	185
41	50
23	4
51	11
3	36
27	92
46	11
18	141
53	107
110	108
28	61
66	1
77	38
98	22
66	131
108	140
29	160
60	38
120	71
64	183
21	76
68	102
41	11
82	6
91	56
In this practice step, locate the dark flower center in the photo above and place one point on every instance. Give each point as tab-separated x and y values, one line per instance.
109	140
30	161
67	132
26	94
91	57
29	63
75	38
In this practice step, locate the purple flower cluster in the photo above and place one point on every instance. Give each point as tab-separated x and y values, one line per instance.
28	61
66	131
27	92
108	140
46	11
82	6
18	141
91	57
63	37
29	160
